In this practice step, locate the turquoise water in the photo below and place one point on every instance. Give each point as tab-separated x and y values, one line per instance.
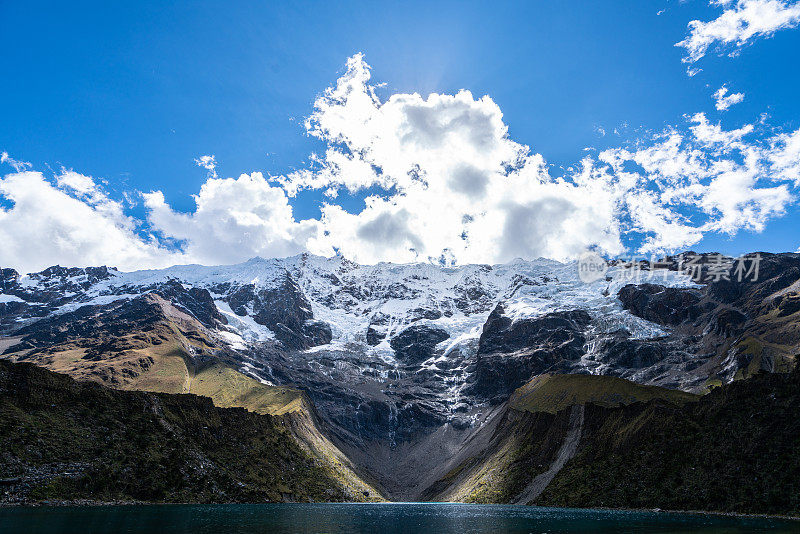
385	518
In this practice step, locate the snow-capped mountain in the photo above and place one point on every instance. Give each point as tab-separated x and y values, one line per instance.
389	351
363	304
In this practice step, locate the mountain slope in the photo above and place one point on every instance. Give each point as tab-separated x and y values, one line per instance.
230	388
734	450
63	439
553	393
529	437
398	377
387	353
149	343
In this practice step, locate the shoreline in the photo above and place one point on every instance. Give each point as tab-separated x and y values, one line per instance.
88	503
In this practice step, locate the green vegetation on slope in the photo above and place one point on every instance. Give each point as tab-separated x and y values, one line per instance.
553	393
522	447
734	450
531	432
62	439
165	351
230	388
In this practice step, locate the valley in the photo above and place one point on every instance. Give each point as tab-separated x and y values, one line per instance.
487	384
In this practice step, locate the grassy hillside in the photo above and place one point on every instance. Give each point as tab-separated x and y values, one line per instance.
230	388
522	446
62	439
148	344
531	432
553	393
734	450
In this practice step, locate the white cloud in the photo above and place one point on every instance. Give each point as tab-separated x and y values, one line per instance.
740	22
707	180
49	223
449	185
209	163
723	100
18	165
234	219
713	136
783	158
458	186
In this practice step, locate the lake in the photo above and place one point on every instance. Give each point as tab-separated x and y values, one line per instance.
386	518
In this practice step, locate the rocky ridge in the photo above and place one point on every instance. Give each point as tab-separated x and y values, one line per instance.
404	359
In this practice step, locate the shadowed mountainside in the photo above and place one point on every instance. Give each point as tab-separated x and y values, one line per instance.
734	450
415	382
67	440
528	433
731	450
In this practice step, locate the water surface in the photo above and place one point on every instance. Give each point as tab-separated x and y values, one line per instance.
387	518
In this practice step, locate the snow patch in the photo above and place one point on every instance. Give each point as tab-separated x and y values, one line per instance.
245	326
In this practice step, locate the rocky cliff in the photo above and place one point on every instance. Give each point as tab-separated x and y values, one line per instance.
402	367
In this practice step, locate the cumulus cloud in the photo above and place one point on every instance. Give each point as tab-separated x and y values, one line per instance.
723	100
445	183
740	22
209	163
18	165
70	221
457	186
234	219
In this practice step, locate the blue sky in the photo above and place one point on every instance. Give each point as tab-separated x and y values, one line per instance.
131	95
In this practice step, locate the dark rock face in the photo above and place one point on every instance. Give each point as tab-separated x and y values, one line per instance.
727	322
8	278
55	286
659	304
425	313
317	332
67	439
511	352
376	331
775	272
56	273
374	336
500	334
101	327
114	321
416	343
284	310
57	280
621	351
788	305
723	329
196	301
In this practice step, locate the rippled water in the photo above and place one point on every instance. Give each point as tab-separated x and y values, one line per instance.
389	518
